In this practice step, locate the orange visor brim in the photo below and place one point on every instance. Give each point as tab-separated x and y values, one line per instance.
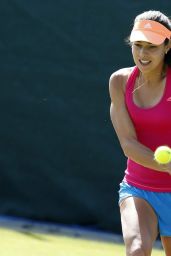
149	31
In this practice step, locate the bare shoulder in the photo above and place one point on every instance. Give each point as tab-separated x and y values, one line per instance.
120	75
118	79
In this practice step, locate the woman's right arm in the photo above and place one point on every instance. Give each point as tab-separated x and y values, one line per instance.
124	127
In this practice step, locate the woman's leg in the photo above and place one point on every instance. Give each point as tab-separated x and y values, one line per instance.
139	226
166	241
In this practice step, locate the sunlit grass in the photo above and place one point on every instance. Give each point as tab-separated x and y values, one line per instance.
16	243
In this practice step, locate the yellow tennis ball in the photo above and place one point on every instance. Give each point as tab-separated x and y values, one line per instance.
162	155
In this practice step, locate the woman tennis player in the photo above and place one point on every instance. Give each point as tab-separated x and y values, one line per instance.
141	115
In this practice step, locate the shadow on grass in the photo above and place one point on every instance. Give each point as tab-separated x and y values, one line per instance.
36	230
33	235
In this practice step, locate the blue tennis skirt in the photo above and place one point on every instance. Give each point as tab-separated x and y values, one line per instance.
159	201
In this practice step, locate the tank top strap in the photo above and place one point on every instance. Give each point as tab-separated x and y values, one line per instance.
131	80
130	85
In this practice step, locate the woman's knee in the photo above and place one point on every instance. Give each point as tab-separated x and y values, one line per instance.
137	252
137	248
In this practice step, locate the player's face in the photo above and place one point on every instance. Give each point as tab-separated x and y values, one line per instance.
148	56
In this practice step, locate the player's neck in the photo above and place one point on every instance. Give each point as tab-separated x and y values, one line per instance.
153	78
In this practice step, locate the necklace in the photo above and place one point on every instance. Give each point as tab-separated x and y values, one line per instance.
139	85
163	74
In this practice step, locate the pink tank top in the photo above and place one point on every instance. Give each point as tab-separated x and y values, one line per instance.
153	128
